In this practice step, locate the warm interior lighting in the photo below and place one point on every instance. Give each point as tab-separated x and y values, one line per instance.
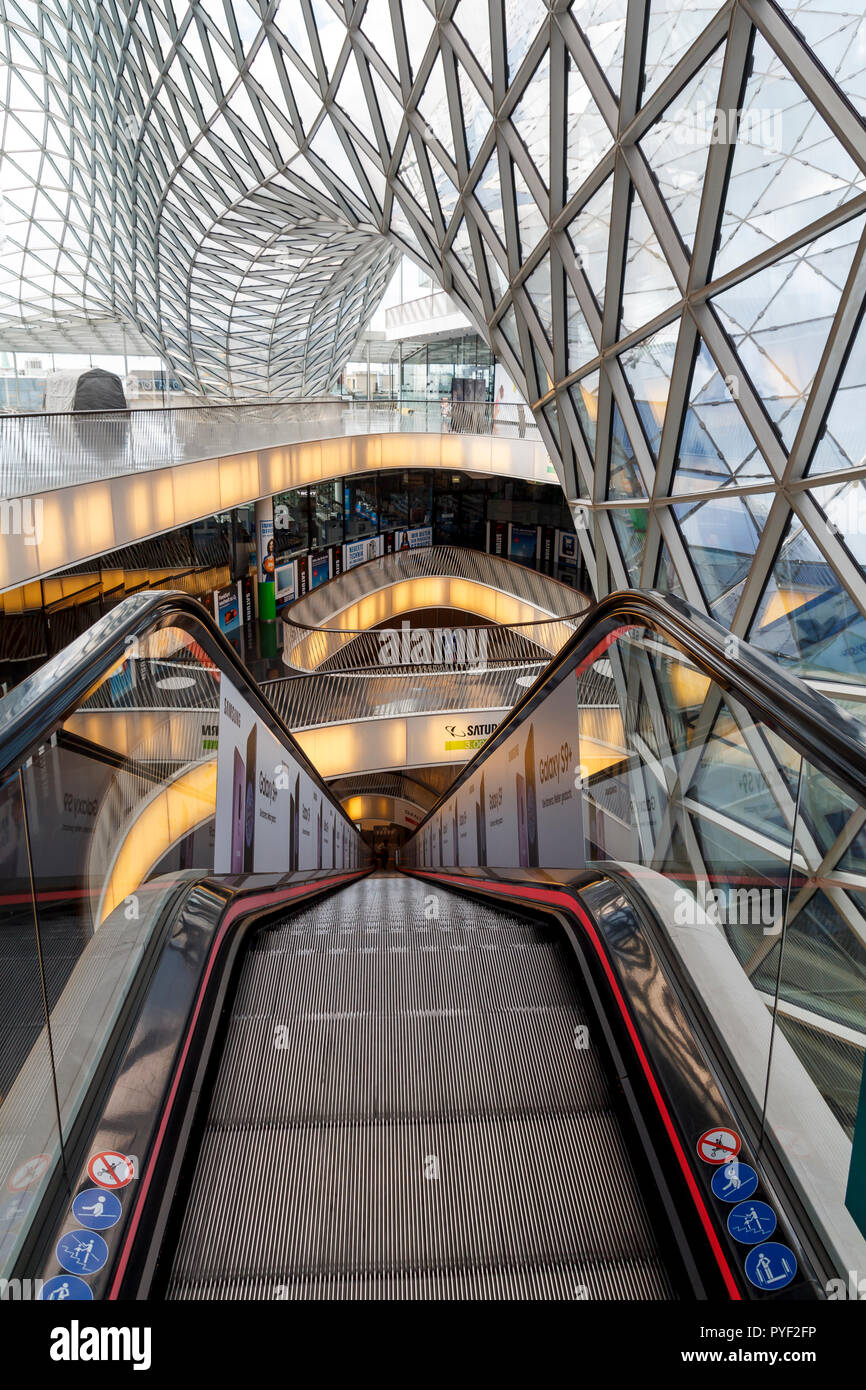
170	814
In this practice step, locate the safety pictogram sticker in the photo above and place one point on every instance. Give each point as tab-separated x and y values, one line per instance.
111	1169
719	1145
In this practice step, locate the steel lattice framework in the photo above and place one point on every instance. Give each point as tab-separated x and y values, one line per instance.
655	210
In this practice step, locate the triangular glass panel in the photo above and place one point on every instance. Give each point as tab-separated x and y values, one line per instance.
841	444
584	398
666	576
498	278
352	100
330	32
473	22
461	247
779	320
788	168
648	367
531	118
376	26
716	446
542	376
419	24
649	286
587	137
580	343
537	286
630	525
676	146
446	191
603	26
507	326
488	193
588	233
531	222
624	479
389	108
722	535
433	106
409	174
522	21
806	620
476	116
672	29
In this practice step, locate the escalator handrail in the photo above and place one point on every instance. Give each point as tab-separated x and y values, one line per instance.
33	710
824	733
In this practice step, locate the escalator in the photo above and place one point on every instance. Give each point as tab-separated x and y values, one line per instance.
544	1060
429	1130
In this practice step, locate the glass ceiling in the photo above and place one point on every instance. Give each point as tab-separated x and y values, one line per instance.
653	210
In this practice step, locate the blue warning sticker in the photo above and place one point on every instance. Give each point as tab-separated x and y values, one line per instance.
752	1222
770	1266
735	1182
96	1209
65	1286
81	1252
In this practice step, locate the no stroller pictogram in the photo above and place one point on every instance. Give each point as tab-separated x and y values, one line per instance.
719	1145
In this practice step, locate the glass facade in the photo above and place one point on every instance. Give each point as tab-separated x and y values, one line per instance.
652	211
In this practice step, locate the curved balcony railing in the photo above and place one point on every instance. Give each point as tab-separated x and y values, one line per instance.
309	701
41	452
337	627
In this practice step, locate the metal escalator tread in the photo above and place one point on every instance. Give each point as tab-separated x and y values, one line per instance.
401	1111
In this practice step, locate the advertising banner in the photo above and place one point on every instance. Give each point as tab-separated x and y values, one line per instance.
357	552
227	608
319	567
523	544
415	539
286	583
270	816
523	807
567	548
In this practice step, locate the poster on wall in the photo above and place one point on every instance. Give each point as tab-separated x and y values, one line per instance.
358	552
415	539
269	812
523	544
522	808
227	608
286	583
267	548
567	548
319	568
497	537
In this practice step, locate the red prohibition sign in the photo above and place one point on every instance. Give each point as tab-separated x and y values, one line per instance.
719	1145
110	1169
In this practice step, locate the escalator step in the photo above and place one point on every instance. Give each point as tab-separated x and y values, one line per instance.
573	1281
427	1127
357	1067
355	1198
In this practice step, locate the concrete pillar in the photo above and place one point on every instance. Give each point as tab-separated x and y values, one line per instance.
265	557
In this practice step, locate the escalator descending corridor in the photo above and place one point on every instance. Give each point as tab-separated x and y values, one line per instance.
403	1110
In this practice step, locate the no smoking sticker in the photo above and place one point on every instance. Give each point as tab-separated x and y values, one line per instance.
110	1169
719	1145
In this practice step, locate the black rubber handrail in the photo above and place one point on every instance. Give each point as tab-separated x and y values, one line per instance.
31	713
824	733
